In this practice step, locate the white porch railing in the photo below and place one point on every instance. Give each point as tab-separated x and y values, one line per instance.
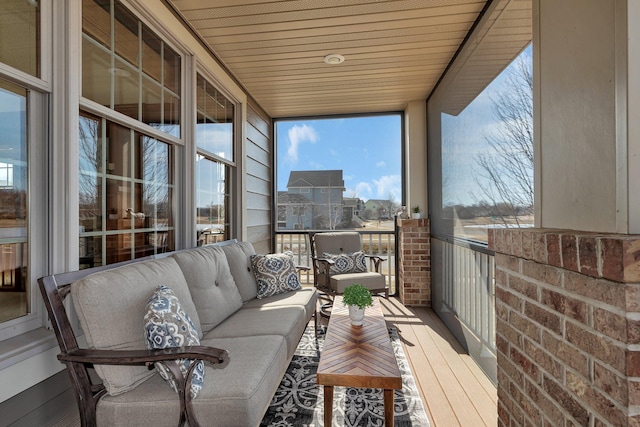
468	288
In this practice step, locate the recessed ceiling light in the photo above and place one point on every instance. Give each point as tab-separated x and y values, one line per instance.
333	59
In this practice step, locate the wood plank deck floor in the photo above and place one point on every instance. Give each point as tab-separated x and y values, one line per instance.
454	390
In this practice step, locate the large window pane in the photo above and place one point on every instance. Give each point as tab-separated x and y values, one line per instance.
14	302
130	70
215	121
20	35
125	178
487	157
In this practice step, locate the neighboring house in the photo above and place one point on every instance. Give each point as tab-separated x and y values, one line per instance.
352	210
294	211
379	209
313	200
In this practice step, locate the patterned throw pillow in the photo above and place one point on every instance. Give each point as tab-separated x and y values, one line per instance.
275	273
167	325
355	262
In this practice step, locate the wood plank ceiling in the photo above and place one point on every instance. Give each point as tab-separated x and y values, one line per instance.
395	51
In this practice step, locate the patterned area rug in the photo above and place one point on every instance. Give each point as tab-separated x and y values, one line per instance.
299	401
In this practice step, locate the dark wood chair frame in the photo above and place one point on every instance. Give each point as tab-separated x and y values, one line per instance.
326	293
80	361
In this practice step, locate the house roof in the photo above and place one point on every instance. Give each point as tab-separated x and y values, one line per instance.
394	51
316	179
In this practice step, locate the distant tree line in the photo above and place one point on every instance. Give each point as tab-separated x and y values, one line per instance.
485	209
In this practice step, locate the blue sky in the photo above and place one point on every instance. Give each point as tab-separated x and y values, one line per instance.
367	149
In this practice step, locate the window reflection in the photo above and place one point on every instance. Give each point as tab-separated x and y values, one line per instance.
214	130
20	35
131	189
14	298
132	71
212	198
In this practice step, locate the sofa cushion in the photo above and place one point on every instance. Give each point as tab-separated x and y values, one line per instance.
275	273
111	305
236	393
348	262
305	297
167	325
239	259
287	321
212	287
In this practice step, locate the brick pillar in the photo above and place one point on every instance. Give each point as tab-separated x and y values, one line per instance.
414	271
567	328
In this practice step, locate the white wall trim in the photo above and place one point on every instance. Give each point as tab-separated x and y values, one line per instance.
621	100
632	113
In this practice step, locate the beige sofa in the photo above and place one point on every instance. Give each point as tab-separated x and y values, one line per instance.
218	290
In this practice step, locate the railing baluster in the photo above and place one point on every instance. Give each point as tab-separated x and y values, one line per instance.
468	288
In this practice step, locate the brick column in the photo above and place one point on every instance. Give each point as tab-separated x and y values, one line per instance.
414	271
567	328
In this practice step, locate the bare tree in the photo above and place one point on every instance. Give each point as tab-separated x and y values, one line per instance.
506	172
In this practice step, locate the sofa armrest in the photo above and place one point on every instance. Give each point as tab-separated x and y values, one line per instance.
143	357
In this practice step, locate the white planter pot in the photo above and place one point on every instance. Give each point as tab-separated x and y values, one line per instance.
415	215
356	314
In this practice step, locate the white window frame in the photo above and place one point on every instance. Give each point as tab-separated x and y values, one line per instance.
38	144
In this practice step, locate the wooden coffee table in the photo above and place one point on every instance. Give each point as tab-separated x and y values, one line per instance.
358	356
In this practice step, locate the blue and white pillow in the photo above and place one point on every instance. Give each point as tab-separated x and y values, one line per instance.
354	262
167	325
275	273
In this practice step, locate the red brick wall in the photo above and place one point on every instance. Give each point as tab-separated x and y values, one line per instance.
568	327
414	273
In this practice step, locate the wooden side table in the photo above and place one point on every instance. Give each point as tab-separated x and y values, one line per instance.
358	356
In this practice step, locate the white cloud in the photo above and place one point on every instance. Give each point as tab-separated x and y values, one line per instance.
389	185
381	164
363	190
298	135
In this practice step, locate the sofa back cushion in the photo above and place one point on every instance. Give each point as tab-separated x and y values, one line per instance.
212	287
111	308
239	259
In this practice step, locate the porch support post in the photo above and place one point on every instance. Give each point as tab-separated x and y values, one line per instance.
414	275
567	327
568	291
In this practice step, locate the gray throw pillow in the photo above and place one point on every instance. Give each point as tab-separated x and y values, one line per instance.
275	273
354	262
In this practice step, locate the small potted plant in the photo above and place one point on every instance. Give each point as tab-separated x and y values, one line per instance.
415	212
357	297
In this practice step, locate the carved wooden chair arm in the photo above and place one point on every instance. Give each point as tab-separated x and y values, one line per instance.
302	268
377	259
149	357
326	261
144	357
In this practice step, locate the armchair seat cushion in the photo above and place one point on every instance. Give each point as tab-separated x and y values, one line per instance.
369	280
234	394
